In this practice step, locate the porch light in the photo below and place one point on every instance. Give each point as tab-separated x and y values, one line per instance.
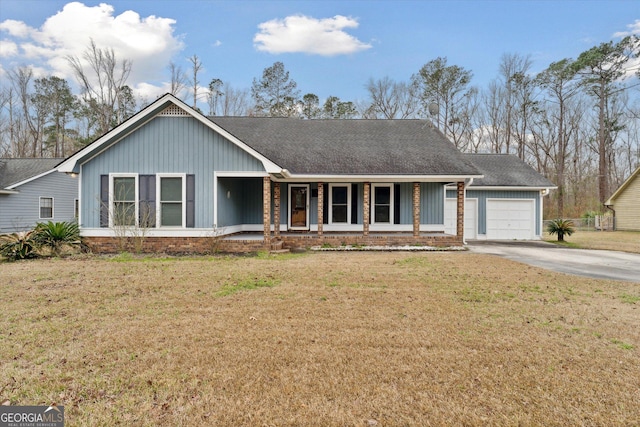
72	174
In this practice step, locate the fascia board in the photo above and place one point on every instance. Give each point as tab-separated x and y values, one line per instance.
505	188
376	178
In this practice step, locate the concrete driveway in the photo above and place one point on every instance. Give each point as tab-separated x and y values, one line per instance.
582	262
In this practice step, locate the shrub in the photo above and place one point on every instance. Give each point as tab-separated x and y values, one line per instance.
17	246
57	235
561	227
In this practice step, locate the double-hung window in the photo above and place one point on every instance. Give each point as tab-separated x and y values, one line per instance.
171	196
124	208
339	203
46	207
382	204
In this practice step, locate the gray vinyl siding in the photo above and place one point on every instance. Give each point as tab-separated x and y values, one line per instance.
483	195
168	145
20	212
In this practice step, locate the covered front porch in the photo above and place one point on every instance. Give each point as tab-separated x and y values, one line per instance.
299	231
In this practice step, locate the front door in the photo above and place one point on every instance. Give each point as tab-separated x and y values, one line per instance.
299	207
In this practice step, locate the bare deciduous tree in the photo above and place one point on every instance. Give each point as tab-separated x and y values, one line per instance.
101	77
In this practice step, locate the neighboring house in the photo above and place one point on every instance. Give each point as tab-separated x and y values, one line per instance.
252	183
506	204
31	191
625	203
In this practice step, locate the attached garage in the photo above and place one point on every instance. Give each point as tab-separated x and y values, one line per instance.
506	204
511	219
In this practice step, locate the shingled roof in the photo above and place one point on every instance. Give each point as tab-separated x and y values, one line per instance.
350	147
14	171
506	170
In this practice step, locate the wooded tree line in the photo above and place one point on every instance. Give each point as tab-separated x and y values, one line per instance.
577	122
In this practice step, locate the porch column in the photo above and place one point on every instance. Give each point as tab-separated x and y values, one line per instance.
460	210
320	207
266	209
366	208
276	209
416	209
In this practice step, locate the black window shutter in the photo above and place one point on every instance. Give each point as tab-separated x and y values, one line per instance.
396	204
147	194
191	195
325	201
104	200
354	203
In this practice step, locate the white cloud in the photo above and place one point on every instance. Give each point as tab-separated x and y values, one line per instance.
304	34
8	48
15	28
149	43
633	29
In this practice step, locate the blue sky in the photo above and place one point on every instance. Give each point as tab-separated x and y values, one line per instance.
329	47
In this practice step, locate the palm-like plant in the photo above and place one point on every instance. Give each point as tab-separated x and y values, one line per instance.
56	235
17	246
561	227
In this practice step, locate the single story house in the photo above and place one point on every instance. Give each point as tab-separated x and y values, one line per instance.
31	191
250	183
625	203
505	204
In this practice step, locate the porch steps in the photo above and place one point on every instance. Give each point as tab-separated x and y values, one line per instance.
277	247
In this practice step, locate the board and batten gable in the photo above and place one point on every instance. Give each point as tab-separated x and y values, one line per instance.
167	144
21	211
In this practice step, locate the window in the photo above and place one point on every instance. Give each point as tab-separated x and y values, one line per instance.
172	201
124	201
339	203
382	203
46	208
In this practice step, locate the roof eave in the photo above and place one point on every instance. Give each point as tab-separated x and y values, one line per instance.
292	177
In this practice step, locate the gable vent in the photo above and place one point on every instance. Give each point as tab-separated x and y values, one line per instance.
173	110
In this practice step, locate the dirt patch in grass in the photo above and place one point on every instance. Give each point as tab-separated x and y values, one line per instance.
327	339
626	241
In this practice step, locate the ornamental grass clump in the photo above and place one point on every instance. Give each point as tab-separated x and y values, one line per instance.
57	235
21	245
561	227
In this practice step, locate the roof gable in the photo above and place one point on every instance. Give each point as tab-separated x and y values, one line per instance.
166	105
350	147
624	186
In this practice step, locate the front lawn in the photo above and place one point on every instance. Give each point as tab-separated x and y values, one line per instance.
327	339
626	241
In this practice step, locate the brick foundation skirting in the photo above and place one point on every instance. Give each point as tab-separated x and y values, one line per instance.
210	245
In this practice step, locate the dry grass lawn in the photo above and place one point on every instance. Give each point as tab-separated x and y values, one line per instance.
319	339
626	241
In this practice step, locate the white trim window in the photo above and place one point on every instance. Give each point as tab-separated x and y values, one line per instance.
339	203
382	204
171	196
123	205
46	207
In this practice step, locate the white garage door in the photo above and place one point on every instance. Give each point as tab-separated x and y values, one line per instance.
470	217
510	219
